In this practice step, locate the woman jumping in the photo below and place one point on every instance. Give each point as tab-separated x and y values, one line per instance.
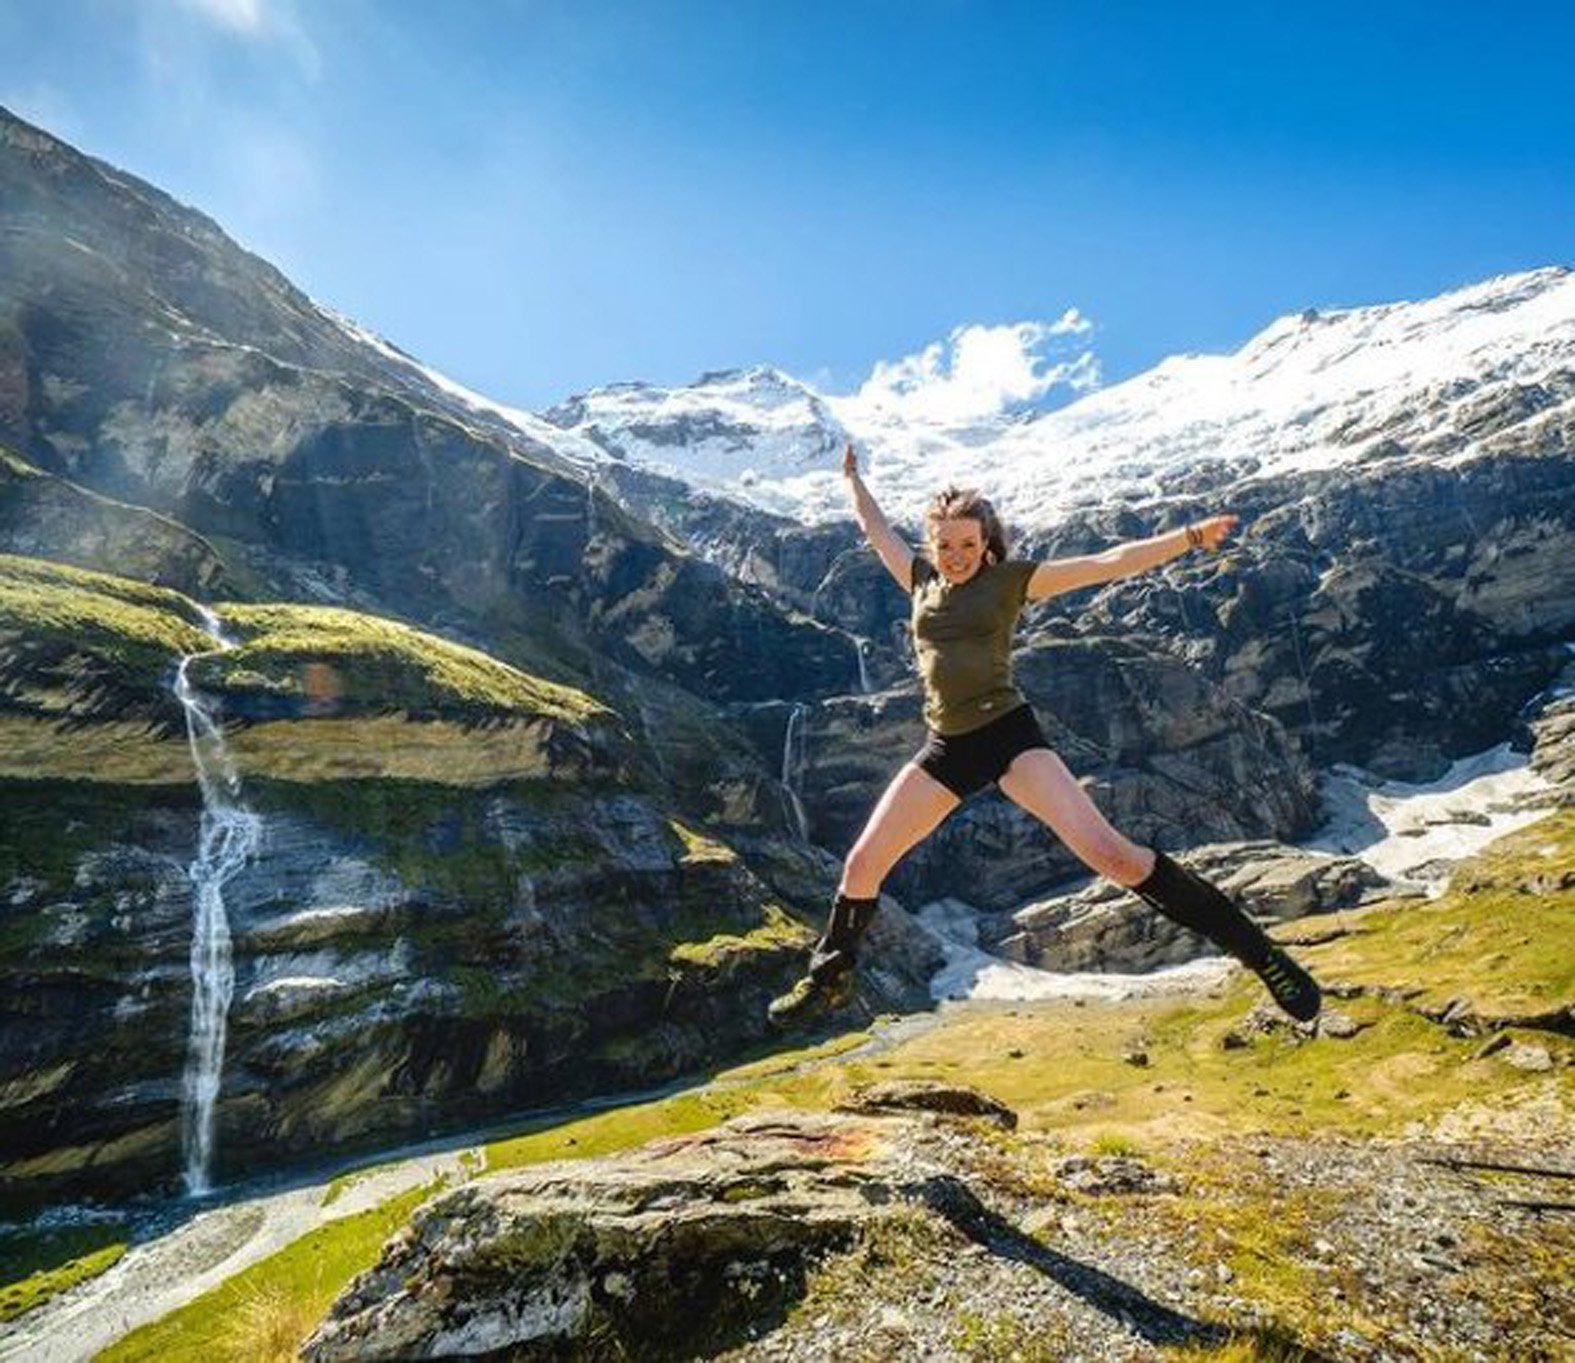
966	597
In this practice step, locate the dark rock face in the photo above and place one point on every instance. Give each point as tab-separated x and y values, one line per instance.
43	516
1167	755
408	959
1392	615
144	356
1395	614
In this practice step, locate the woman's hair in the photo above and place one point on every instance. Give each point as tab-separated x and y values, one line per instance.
958	503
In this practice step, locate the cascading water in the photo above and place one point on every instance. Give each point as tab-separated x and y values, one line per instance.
792	766
861	649
227	836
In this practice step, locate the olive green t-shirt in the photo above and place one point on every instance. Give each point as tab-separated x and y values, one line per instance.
963	636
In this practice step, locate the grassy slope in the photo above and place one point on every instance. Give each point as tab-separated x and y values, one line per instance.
1497	937
370	662
37	1265
139	626
286	650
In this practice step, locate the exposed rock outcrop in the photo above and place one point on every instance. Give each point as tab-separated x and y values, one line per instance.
1169	757
48	517
677	1250
1103	927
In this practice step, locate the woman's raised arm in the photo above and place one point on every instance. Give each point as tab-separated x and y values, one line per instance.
885	541
1126	560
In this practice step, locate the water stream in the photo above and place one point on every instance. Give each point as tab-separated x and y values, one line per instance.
793	766
227	837
861	650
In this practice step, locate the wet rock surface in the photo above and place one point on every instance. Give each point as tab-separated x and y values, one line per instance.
408	960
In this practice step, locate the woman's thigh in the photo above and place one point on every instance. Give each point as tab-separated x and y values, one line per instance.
1039	781
909	809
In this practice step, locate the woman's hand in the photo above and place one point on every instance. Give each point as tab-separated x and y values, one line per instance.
850	462
1210	534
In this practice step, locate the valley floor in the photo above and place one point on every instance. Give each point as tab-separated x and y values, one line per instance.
1189	1172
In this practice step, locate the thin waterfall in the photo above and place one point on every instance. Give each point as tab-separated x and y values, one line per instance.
1307	688
861	649
227	837
793	765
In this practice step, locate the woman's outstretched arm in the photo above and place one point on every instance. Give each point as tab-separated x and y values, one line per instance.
885	541
1126	560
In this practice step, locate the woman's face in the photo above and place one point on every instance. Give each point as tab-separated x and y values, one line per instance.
958	547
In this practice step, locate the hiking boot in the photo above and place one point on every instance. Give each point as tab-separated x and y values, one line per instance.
828	985
811	997
1288	984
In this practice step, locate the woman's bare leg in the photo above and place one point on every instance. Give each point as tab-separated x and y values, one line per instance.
1039	781
909	809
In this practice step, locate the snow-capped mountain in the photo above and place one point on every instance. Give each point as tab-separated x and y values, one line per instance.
1311	391
730	430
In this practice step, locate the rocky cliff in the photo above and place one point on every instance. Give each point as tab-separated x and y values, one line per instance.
466	899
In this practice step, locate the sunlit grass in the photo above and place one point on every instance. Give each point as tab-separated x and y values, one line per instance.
38	1265
266	1311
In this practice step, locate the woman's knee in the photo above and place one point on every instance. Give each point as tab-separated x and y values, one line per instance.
1119	859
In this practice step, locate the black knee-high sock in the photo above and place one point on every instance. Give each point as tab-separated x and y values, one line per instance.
1185	897
837	951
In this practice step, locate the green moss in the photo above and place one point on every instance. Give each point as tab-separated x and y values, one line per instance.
42	582
16	466
351	658
700	850
778	932
58	611
1114	1143
38	1265
1002	1335
314	656
267	1310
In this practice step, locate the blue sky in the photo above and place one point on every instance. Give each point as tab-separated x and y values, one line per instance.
538	197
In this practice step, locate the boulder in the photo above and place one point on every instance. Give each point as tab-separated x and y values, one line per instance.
928	1095
1103	927
680	1249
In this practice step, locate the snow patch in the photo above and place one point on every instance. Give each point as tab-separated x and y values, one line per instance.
1413	833
972	973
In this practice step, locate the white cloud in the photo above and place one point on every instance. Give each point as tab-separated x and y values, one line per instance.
261	22
980	371
246	17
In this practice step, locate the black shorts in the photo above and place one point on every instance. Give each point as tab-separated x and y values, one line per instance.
968	762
